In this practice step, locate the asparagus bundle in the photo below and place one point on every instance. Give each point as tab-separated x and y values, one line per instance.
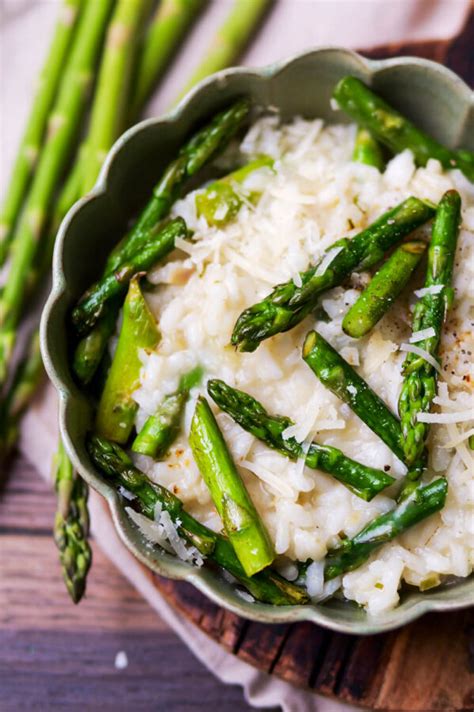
27	157
420	376
420	504
394	130
288	304
362	480
243	526
380	294
367	150
117	408
265	586
161	429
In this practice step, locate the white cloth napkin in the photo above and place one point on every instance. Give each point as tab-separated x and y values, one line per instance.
293	25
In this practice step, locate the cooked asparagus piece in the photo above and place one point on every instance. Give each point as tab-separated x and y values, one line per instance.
419	385
63	124
220	201
367	150
90	349
32	139
337	375
71	526
243	526
117	408
111	286
393	129
167	29
384	288
114	462
363	481
288	304
205	145
420	504
230	40
162	428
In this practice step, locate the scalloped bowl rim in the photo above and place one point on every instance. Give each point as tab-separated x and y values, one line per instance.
203	579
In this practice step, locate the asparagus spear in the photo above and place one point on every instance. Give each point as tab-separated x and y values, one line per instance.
161	429
363	481
220	202
230	40
352	553
64	121
394	130
113	285
243	526
90	349
367	150
117	409
386	285
205	145
288	304
114	462
167	29
419	385
337	375
35	128
71	526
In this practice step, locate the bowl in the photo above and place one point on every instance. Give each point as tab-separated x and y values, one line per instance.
426	92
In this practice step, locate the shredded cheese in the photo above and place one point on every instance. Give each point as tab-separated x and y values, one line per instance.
329	257
434	289
422	335
445	418
409	348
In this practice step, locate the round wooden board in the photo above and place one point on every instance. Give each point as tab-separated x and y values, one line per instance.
427	665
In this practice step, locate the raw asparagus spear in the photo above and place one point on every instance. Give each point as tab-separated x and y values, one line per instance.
111	286
243	526
288	304
161	429
35	128
114	462
230	40
205	145
112	92
71	526
337	375
117	408
367	150
419	385
386	285
167	29
220	202
63	124
394	130
363	481
352	553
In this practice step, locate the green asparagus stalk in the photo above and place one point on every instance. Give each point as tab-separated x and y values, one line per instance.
36	125
112	93
114	462
167	29
394	130
337	375
242	524
112	286
352	553
63	124
419	385
71	526
162	428
288	304
200	149
367	150
220	202
117	408
386	285
363	481
230	40
90	350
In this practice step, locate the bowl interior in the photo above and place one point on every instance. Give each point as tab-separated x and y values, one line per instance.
426	92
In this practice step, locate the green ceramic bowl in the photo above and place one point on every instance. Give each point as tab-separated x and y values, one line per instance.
426	92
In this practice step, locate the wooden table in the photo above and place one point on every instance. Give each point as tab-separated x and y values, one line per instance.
54	655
